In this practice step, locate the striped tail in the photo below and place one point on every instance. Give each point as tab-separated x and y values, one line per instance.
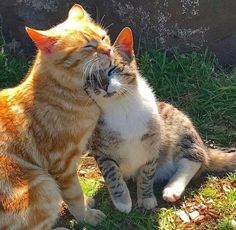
221	159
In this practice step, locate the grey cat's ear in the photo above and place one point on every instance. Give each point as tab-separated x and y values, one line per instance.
124	42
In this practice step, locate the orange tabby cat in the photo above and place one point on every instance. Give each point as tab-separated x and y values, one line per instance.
45	123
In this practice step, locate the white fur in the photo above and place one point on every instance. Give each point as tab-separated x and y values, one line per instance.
133	155
186	170
165	171
129	116
114	85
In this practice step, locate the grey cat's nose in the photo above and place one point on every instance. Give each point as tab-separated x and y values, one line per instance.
104	83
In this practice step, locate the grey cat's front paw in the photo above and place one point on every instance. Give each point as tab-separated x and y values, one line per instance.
148	203
123	207
123	203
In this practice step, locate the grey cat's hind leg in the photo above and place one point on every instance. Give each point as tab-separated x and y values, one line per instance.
193	157
117	187
145	180
186	170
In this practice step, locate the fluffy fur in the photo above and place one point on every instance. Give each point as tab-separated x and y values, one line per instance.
45	124
140	138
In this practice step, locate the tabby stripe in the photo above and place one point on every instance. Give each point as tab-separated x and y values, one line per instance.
76	63
118	194
147	135
107	159
147	195
69	53
231	151
111	176
113	179
109	171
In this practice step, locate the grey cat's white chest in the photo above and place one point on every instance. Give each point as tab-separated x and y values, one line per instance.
133	154
128	125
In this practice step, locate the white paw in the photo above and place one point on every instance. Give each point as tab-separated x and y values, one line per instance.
172	194
123	207
148	203
94	217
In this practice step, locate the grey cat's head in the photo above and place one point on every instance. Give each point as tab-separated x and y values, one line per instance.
120	77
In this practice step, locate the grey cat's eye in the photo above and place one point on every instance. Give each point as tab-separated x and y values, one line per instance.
111	70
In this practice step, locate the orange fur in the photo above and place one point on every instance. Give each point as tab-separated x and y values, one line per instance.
45	124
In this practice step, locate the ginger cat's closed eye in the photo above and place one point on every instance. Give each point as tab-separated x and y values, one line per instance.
45	123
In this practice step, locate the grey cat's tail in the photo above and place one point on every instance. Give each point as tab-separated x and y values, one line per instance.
221	160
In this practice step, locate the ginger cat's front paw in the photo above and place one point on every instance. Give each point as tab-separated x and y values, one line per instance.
172	194
94	217
147	203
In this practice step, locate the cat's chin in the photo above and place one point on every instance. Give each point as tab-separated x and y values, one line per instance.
109	94
103	93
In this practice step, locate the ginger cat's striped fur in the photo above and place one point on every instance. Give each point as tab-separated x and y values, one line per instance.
45	123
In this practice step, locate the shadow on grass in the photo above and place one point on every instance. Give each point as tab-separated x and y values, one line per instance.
137	219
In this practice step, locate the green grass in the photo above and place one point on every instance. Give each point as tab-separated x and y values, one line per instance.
12	69
231	177
196	84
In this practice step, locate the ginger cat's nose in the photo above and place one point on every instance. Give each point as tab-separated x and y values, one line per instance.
106	52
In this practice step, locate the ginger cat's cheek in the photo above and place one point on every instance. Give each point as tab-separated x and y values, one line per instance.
75	47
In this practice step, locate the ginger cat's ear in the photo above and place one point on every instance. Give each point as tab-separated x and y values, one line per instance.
41	40
77	12
124	42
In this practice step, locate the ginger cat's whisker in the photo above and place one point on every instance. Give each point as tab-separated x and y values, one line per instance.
107	27
86	67
101	20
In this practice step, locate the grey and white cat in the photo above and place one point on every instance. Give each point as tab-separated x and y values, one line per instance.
138	138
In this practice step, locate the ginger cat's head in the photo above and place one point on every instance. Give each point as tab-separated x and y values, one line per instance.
120	78
74	48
